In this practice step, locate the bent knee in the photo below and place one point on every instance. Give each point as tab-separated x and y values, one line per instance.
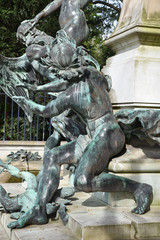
82	183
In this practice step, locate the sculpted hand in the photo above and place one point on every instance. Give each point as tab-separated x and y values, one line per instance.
33	21
33	216
30	87
19	99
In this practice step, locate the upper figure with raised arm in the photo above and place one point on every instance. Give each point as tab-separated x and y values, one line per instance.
71	19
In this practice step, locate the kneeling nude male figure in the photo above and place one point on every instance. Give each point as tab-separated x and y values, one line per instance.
87	97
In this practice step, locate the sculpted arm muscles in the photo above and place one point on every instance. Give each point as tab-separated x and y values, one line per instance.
57	85
51	7
63	102
53	108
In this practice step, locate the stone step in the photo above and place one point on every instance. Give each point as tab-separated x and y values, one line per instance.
52	230
115	224
3	234
90	219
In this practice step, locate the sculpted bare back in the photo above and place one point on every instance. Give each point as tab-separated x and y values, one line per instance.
71	19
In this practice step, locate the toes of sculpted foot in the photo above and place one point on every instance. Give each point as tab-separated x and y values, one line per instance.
143	196
133	210
138	210
13	225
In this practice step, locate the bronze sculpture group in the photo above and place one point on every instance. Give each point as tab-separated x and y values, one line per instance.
80	90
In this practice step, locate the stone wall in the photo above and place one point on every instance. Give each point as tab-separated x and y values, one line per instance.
6	147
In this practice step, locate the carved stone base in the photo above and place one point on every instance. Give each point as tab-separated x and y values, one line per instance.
135	77
135	67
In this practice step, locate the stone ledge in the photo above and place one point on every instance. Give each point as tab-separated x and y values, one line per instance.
6	147
22	143
90	219
137	160
3	234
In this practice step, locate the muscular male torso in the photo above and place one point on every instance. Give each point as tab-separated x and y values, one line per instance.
73	21
68	12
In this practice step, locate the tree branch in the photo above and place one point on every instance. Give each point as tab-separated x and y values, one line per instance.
108	5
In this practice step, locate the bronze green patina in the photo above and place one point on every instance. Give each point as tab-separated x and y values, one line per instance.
81	112
25	201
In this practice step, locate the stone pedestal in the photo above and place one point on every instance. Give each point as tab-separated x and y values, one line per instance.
135	67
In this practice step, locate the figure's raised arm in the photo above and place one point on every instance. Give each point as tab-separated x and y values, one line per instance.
55	86
55	107
51	7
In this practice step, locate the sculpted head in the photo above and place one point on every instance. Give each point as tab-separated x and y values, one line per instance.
63	50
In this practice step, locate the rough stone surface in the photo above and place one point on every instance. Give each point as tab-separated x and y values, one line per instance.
50	231
146	226
3	234
5	220
136	41
131	72
101	224
142	13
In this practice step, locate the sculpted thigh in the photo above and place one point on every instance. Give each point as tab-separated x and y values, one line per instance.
107	143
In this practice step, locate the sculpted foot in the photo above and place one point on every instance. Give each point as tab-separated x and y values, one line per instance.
33	216
143	196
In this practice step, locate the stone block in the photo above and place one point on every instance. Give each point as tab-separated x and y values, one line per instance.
131	72
5	220
136	41
13	188
139	159
101	225
146	226
3	234
50	231
90	219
